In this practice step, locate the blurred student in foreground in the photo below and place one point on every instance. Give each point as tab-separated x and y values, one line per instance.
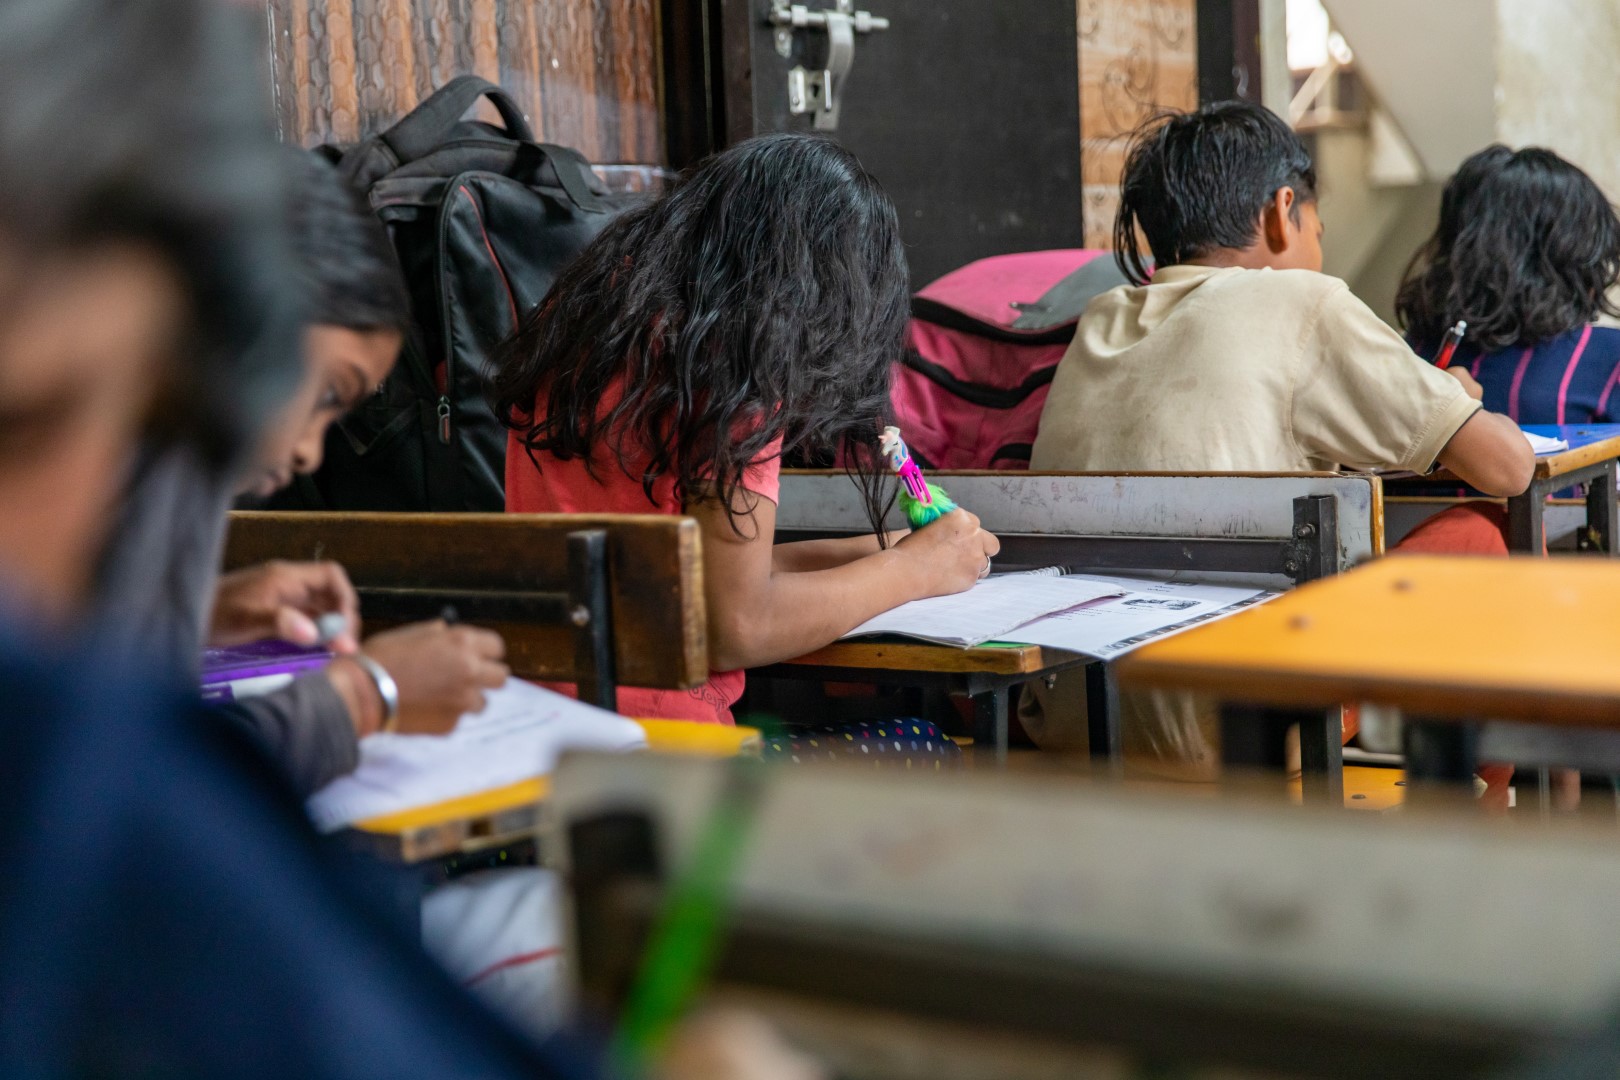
167	911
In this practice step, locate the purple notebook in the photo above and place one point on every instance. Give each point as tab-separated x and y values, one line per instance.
257	668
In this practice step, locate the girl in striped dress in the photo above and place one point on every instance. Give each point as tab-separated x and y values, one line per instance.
1527	251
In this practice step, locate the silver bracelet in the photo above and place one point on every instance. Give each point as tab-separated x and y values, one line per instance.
387	688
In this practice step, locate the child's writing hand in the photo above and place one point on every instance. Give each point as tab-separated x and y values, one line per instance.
950	553
442	672
1469	385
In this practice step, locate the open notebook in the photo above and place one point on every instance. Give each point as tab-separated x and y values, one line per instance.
990	611
1090	614
1142	610
519	735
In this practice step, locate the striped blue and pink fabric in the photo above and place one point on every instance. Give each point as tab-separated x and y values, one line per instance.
1568	380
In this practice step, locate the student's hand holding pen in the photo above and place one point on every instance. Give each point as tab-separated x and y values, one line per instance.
949	554
439	671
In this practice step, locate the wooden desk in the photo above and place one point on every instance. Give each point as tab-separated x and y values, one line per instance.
1593	458
1279	528
987	675
1450	641
504	816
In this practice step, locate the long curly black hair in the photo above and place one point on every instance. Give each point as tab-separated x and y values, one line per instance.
1527	249
763	297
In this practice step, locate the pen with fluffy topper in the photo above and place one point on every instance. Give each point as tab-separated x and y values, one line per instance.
921	501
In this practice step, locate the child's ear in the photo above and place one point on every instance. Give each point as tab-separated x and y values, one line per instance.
1276	218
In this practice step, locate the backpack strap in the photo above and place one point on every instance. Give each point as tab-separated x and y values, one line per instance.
574	176
431	122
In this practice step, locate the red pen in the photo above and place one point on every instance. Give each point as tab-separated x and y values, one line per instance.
1448	346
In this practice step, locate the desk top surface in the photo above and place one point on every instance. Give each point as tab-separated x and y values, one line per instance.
500	815
1588	445
923	657
1530	639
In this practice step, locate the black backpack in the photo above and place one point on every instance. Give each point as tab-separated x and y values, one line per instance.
483	221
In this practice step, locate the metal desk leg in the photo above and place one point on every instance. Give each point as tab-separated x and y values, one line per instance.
990	720
1256	739
1253	739
1526	532
1440	755
1102	719
1602	512
1321	756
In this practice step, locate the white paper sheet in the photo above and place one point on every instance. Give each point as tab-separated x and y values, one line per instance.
519	735
1141	610
1541	444
989	611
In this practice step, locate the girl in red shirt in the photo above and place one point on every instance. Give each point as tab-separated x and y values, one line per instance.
753	311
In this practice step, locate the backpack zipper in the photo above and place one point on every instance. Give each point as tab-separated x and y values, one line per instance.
444	419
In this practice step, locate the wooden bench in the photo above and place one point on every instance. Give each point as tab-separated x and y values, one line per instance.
1275	529
1029	920
597	600
592	599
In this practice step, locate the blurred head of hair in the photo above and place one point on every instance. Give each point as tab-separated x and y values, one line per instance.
356	313
145	123
346	268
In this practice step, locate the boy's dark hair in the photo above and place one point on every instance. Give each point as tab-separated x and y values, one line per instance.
1197	182
764	297
1526	249
349	273
140	121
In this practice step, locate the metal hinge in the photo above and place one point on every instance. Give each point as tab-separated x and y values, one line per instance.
820	91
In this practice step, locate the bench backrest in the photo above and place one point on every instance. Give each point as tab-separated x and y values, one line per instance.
546	582
1231	515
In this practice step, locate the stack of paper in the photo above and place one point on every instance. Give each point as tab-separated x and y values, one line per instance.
990	611
1541	444
1138	611
519	735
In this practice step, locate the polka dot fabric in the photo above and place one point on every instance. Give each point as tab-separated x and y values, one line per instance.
893	744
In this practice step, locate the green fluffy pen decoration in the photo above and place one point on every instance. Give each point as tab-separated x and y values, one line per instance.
921	502
919	513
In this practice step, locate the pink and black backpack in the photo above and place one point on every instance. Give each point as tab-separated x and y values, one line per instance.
983	344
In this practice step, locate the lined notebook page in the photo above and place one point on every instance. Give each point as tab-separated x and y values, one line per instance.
989	611
518	736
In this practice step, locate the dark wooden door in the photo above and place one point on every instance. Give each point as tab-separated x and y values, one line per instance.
968	112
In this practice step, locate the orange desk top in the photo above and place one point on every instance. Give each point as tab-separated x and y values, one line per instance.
1529	639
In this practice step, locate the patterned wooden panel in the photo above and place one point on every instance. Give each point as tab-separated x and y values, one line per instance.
584	71
1136	57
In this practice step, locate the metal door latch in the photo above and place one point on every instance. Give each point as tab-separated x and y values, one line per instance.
820	91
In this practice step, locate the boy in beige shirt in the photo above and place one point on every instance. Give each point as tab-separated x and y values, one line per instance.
1239	355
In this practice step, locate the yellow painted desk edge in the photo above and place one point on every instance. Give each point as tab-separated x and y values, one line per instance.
705	739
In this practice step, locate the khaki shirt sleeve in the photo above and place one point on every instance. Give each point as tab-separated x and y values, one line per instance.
1363	399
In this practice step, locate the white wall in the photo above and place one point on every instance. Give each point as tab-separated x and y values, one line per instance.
1433	65
1560	81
